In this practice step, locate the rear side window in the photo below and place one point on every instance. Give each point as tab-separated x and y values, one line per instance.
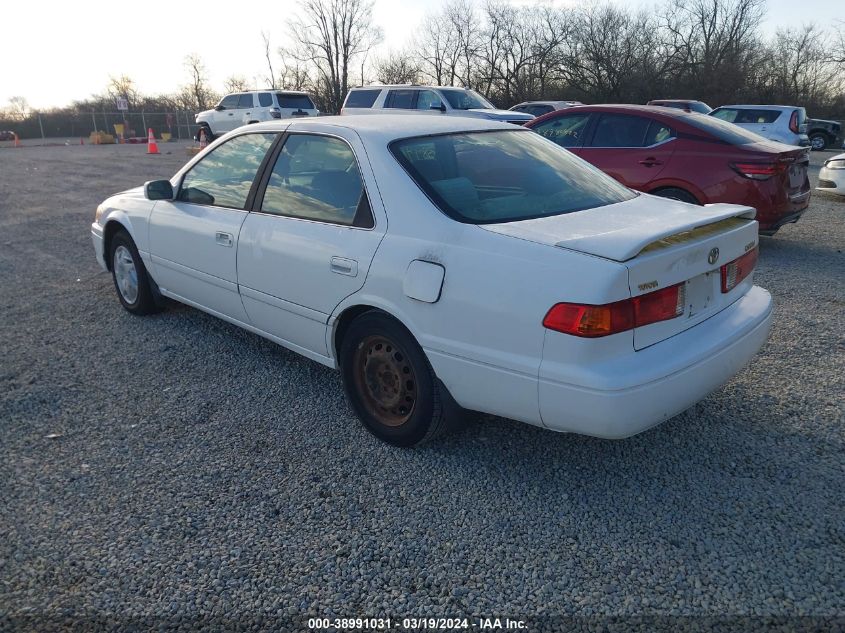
746	115
567	130
361	98
727	132
402	99
503	176
538	110
294	101
317	178
657	133
245	101
224	177
265	99
620	130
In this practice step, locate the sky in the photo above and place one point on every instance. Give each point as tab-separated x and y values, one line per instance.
75	47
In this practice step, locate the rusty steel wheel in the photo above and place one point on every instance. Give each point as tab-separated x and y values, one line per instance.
390	383
386	380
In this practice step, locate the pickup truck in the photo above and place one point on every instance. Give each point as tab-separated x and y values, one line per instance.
822	133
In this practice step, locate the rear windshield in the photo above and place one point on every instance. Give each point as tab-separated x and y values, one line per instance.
297	102
504	176
746	115
361	98
723	131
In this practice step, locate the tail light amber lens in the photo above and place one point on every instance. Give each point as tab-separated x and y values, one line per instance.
592	321
734	272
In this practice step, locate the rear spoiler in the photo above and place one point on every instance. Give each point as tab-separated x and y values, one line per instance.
626	242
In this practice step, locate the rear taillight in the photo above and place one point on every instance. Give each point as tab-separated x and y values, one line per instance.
592	321
759	171
734	272
793	122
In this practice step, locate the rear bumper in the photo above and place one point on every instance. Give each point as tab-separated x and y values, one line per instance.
658	382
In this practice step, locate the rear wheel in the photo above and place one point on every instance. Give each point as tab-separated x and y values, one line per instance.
818	142
674	193
390	384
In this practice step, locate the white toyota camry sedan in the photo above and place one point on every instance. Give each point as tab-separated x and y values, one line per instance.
445	264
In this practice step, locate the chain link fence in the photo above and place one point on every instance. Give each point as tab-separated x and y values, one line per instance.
180	125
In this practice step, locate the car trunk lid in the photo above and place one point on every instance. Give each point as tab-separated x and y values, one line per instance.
662	243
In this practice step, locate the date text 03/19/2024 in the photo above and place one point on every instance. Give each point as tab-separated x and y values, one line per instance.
417	623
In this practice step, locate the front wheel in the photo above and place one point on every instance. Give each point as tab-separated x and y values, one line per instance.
390	384
130	276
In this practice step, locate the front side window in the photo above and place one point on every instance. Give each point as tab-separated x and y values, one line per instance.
620	130
428	99
224	177
504	176
465	99
229	102
567	130
317	178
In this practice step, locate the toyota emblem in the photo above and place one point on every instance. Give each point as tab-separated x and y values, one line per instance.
713	257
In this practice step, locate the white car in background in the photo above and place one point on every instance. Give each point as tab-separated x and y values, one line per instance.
254	106
539	108
447	262
832	175
430	100
784	124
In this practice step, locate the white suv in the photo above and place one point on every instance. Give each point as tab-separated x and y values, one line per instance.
433	100
785	124
241	108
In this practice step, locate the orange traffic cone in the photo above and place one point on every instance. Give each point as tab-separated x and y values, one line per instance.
17	139
152	148
203	140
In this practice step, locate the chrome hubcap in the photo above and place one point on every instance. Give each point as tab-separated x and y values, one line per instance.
386	380
817	143
125	274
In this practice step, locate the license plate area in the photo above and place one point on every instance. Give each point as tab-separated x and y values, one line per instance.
699	295
797	175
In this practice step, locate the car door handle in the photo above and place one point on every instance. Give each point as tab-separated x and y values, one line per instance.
224	239
231	114
344	266
650	162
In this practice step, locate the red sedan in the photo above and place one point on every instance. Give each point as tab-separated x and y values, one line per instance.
686	156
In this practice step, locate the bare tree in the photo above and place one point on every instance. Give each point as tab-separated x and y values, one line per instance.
269	59
236	83
197	92
123	87
331	35
398	68
19	109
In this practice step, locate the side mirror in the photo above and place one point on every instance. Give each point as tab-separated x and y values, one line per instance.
441	107
219	108
158	190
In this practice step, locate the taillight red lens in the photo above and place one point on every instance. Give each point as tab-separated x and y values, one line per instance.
734	272
759	171
793	122
592	321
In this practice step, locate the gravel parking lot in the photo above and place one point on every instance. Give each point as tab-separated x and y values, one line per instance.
175	469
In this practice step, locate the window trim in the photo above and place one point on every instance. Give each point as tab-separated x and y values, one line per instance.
267	171
250	198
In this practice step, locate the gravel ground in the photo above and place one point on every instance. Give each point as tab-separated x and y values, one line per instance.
174	469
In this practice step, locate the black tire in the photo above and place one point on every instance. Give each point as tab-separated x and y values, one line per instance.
674	193
384	369
121	250
209	135
819	142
